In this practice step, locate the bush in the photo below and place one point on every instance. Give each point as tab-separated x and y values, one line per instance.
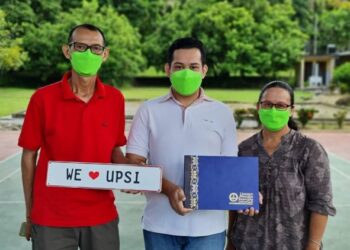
344	101
249	113
239	115
340	117
255	114
342	75
305	115
344	88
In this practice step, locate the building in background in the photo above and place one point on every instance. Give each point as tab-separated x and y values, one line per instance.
316	71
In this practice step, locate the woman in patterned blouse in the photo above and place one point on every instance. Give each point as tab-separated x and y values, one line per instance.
294	180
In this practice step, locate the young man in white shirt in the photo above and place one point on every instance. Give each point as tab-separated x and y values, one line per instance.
183	122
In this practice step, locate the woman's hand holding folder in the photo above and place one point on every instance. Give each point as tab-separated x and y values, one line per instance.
251	211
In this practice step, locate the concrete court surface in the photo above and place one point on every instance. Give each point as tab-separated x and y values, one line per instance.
130	206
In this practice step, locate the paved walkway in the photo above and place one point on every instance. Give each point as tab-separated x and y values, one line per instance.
130	206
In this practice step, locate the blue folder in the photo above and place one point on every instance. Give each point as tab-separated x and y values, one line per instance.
221	182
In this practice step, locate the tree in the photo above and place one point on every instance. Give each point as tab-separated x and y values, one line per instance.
143	14
44	43
19	14
334	28
12	55
177	22
279	41
46	10
303	15
227	33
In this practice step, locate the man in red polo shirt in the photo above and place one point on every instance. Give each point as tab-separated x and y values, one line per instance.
77	119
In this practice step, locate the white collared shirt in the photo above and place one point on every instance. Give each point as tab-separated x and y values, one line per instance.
163	131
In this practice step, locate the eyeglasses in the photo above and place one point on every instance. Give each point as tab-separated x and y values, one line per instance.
278	106
81	47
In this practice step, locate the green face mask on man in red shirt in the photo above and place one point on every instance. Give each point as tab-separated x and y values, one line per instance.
86	63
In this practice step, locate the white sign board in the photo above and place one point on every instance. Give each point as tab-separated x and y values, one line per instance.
104	176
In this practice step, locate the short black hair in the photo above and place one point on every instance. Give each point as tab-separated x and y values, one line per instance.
186	43
89	27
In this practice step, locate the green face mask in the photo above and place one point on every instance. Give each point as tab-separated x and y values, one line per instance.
186	81
273	119
86	63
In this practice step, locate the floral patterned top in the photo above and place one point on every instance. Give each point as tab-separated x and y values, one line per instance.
294	182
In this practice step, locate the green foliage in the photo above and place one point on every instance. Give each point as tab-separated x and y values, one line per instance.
279	40
305	115
19	13
176	23
47	10
342	75
240	39
44	44
233	27
143	14
12	55
243	37
340	117
303	15
343	88
334	28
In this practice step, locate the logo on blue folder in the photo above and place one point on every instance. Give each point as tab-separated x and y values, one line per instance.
241	199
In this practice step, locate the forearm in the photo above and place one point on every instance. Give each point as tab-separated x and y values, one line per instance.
118	157
317	228
28	164
168	187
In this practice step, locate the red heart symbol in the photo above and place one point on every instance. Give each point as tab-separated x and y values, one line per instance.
93	175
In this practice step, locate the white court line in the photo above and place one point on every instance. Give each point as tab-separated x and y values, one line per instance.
10	157
339	157
341	172
337	169
9	175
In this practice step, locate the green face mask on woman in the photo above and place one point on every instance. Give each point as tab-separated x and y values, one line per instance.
86	63
273	119
186	82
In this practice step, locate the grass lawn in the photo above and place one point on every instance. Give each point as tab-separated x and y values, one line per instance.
14	100
225	95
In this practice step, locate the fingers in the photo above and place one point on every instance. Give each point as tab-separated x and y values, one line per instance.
28	231
180	195
249	211
176	201
260	198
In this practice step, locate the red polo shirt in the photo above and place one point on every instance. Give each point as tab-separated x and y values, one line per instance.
65	128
